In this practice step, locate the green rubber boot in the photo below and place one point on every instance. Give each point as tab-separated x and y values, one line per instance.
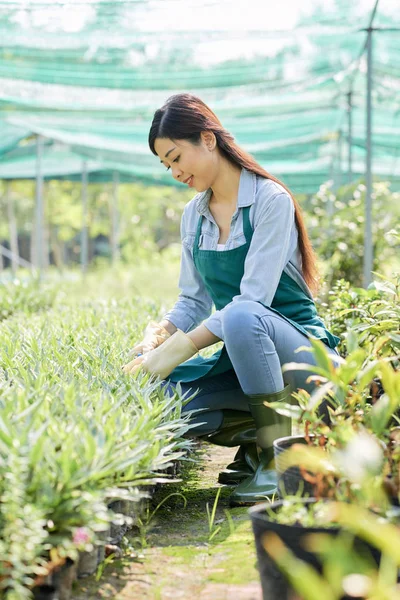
244	465
269	426
237	429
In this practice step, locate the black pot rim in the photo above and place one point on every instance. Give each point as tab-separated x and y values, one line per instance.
289	439
259	514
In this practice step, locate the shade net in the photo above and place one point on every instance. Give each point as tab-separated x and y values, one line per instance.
88	76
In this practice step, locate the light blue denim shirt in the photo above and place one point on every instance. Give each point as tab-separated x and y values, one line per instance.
273	249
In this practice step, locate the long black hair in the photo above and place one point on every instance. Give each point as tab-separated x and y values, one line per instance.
184	117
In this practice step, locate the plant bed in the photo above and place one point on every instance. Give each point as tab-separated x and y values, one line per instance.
266	520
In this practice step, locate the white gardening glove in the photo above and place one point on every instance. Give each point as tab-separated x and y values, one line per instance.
163	360
154	335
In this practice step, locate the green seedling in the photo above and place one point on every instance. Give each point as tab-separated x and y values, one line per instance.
213	531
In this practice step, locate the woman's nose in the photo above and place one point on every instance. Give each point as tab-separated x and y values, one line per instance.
177	173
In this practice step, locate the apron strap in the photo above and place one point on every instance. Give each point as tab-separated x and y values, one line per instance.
247	228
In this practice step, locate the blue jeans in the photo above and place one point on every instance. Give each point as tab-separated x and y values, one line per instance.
258	342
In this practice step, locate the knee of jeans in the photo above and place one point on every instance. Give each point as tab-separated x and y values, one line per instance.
238	319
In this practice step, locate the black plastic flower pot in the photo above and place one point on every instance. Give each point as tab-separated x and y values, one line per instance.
290	480
44	592
88	562
118	526
63	578
130	508
273	582
392	492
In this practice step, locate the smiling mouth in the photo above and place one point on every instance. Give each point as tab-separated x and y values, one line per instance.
188	179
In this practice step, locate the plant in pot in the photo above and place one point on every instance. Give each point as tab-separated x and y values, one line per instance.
346	572
348	460
356	479
349	407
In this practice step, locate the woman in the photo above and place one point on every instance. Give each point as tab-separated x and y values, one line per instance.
245	250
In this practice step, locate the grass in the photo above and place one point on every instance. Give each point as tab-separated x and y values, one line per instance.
179	557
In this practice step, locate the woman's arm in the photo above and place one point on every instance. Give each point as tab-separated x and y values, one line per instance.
201	336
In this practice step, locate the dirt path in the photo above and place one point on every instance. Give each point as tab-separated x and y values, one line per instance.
174	557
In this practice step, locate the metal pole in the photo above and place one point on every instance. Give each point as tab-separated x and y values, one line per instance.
39	206
330	206
350	136
339	159
368	246
114	218
85	229
13	230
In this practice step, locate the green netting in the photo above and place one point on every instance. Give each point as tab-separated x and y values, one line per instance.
89	74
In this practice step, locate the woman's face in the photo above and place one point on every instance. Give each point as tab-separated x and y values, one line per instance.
192	164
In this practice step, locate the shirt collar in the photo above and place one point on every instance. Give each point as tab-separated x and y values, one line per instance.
246	193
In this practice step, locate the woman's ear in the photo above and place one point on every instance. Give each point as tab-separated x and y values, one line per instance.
209	139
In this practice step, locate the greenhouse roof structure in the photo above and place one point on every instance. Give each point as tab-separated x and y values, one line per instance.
89	74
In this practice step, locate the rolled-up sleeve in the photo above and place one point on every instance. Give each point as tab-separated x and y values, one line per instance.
194	303
274	239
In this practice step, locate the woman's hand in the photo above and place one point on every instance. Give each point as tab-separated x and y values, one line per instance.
134	365
154	335
163	360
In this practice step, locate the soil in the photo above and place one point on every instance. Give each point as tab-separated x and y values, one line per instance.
172	555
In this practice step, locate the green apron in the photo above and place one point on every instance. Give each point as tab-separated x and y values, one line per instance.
222	274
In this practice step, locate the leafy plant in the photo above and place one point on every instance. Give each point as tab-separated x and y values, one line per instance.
335	221
344	572
212	530
355	421
75	432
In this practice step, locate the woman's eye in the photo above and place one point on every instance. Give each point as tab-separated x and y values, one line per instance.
175	160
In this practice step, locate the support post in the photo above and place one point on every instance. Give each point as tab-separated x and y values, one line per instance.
13	229
114	218
39	262
339	159
85	229
350	136
368	244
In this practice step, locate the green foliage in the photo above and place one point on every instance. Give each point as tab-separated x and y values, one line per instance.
148	216
346	573
356	455
27	297
75	431
345	455
295	512
150	219
335	222
373	314
212	529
